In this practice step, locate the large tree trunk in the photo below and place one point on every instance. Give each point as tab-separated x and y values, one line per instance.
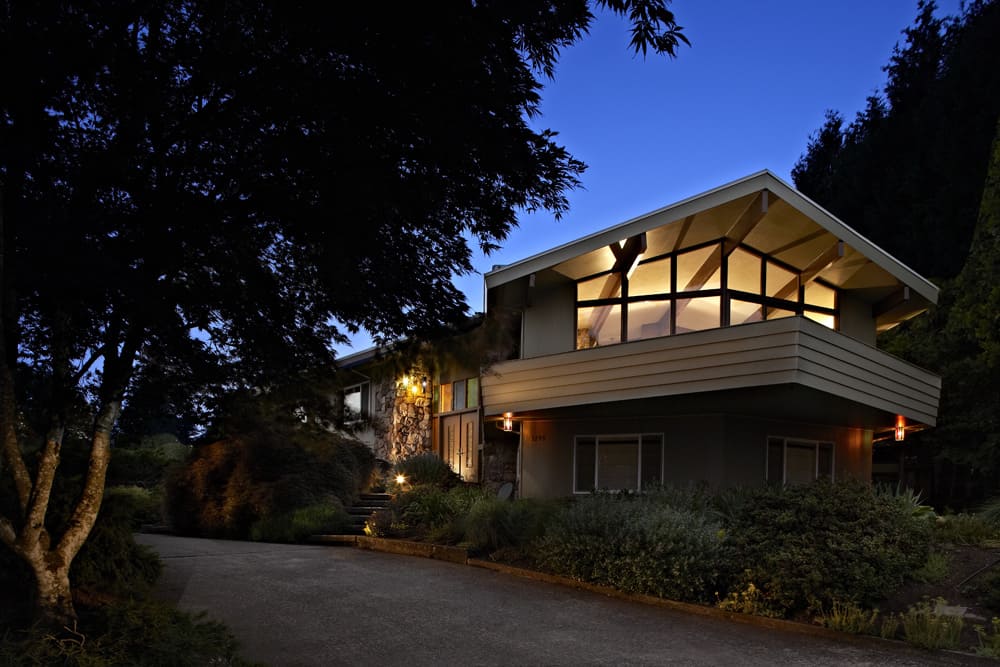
32	542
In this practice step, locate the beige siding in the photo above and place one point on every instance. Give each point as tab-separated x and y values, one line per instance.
788	351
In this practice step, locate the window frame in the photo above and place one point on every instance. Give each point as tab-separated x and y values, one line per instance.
597	459
785	440
471	397
797	305
365	389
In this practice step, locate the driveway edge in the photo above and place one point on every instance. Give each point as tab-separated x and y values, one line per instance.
461	556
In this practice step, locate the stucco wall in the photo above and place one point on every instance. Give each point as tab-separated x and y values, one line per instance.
856	319
550	316
715	449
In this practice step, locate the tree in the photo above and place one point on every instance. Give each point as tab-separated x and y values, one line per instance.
908	170
242	182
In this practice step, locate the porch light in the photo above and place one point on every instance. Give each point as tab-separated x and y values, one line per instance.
508	422
900	429
401	479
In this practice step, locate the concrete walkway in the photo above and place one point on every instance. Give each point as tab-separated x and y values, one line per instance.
314	605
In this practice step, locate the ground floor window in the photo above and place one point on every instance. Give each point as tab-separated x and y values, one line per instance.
792	461
617	462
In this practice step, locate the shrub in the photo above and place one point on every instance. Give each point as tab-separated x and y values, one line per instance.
300	523
990	512
110	561
923	626
849	617
138	634
227	486
439	515
492	524
805	546
634	545
986	588
989	640
747	599
934	570
427	468
890	627
964	529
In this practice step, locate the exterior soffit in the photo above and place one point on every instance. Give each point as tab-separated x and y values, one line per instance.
794	230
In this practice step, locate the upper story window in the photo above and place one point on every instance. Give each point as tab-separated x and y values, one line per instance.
707	287
357	402
458	395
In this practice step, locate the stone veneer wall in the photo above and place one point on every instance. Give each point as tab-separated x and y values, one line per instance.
402	419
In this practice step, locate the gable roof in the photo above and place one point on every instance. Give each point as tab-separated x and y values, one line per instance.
790	227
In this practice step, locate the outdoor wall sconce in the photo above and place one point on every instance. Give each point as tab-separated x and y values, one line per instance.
507	423
423	383
900	430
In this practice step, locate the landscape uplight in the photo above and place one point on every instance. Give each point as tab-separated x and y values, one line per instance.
401	479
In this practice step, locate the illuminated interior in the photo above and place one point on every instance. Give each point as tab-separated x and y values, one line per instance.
715	284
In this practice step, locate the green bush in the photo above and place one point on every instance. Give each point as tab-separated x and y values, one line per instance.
427	468
300	523
110	561
431	512
805	546
226	487
923	626
634	545
849	617
986	588
493	524
934	570
990	512
137	634
964	529
989	639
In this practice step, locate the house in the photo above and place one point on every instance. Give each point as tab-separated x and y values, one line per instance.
728	338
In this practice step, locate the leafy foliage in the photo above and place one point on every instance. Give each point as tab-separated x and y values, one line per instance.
298	524
925	627
908	171
964	529
135	633
220	192
427	468
634	545
849	617
805	546
228	486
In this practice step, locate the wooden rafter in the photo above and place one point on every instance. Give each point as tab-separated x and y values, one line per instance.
894	300
824	260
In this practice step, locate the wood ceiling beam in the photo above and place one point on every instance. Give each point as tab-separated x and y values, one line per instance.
894	300
826	259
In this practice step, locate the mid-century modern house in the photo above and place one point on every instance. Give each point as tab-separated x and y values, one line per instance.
728	338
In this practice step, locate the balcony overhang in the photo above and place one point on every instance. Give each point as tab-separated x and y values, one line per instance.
803	366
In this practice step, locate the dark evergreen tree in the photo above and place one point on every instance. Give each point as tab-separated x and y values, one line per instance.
908	171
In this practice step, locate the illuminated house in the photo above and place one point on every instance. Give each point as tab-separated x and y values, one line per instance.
728	338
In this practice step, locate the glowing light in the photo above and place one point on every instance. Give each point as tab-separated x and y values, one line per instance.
508	422
900	429
400	479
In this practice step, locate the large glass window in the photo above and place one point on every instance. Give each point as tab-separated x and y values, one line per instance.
357	402
598	325
617	462
791	461
685	291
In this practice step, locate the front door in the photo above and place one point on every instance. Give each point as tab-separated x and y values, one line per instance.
460	444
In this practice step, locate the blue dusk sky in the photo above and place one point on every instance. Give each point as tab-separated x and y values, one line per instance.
745	96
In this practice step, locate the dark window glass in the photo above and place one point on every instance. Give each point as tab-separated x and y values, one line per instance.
586	456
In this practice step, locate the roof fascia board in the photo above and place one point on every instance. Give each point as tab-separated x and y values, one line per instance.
627	229
848	235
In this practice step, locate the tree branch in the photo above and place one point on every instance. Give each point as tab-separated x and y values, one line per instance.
82	371
7	533
11	447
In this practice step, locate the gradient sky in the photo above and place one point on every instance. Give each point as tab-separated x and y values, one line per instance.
745	96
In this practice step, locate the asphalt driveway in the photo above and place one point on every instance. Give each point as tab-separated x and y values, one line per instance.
316	605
